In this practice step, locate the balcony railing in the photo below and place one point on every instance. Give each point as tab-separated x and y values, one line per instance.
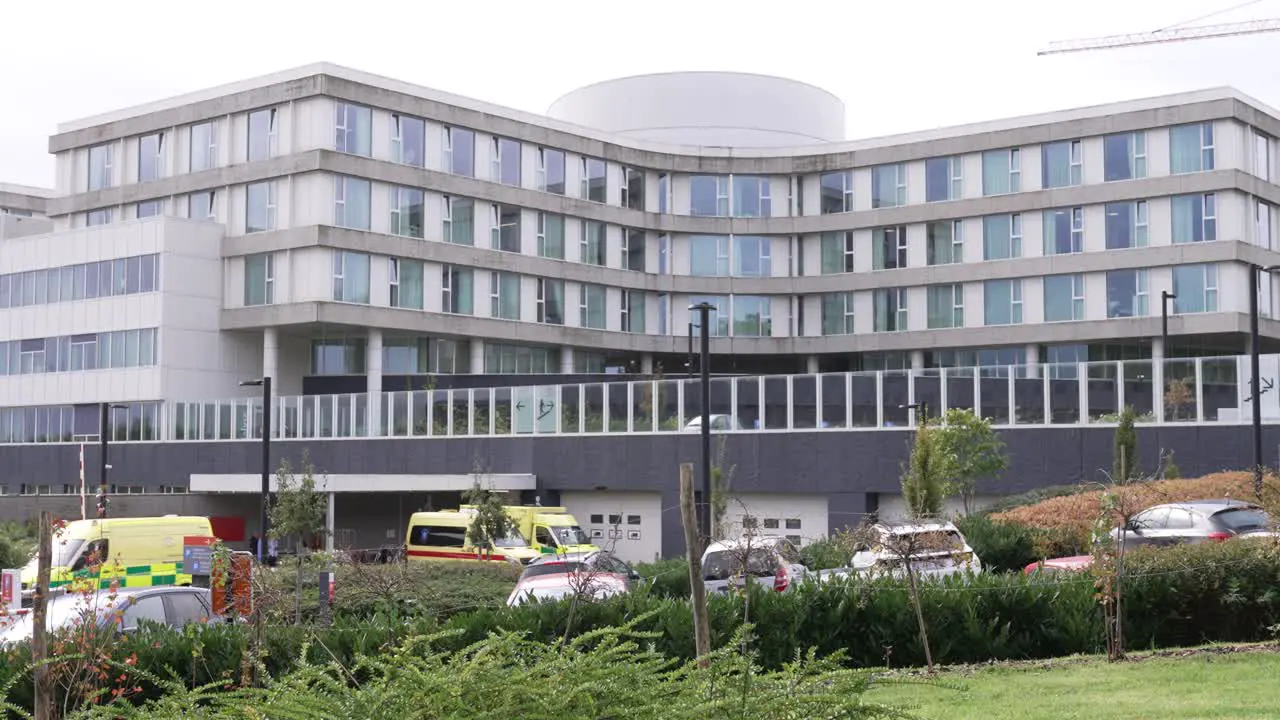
1175	391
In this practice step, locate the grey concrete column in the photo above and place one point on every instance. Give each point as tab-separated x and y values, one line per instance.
1033	358
271	358
1157	378
566	360
811	363
373	363
917	359
477	356
646	364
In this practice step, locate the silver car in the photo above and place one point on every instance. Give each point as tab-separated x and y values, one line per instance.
770	561
1193	522
126	608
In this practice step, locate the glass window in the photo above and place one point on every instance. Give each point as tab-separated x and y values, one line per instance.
351	202
338	356
709	255
943	179
633	311
751	196
709	195
407	212
204	147
633	249
1264	211
504	295
633	189
150	157
146	209
1124	156
1002	237
459	220
459	151
259	279
838	313
752	316
350	277
551	235
505	228
1194	218
1126	225
593	246
1126	293
262	134
888	185
353	129
591	306
594	185
1063	231
409	140
101	216
504	165
550	301
260	207
889	248
1063	297
457	290
551	170
200	206
1060	164
101	166
752	256
944	242
1261	155
946	306
1196	288
890	308
836	189
836	252
1002	301
405	279
1191	148
1001	171
717	318
138	611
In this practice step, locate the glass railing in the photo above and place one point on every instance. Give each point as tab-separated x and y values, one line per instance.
1175	391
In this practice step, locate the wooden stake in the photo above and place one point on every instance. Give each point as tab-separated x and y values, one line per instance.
693	548
39	611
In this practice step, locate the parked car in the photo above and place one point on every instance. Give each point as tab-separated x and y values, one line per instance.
771	561
1053	566
597	574
126	608
1193	522
936	549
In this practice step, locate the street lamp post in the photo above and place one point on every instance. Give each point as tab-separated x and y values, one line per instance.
921	409
104	440
1165	297
264	520
1255	373
704	366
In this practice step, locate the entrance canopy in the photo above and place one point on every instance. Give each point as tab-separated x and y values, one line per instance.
250	483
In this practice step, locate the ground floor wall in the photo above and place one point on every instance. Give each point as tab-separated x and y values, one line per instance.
818	481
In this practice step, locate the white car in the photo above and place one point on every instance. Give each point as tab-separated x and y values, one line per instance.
770	561
935	549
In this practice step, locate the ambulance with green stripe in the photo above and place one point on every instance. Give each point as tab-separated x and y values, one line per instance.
126	552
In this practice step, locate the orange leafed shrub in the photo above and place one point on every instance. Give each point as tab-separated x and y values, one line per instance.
1076	513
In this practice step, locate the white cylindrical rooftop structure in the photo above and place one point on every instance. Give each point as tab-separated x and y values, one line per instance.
707	108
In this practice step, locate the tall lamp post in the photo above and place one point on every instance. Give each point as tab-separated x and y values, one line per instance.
264	520
1255	373
104	440
704	366
1165	297
921	409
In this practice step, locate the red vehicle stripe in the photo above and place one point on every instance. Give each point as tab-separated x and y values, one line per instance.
440	554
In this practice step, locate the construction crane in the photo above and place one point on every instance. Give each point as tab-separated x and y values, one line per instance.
1175	33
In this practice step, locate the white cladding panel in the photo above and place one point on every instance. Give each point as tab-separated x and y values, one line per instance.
627	523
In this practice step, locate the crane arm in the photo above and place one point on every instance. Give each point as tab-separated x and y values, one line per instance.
1200	32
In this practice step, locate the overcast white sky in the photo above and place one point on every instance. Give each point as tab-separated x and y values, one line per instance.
899	65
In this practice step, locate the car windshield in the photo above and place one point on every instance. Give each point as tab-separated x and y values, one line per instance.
512	539
64	611
65	552
570	535
724	564
550	568
926	541
1243	519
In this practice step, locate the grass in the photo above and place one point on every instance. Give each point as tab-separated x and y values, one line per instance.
1213	682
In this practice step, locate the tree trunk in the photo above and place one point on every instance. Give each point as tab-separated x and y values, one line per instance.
915	600
44	706
693	549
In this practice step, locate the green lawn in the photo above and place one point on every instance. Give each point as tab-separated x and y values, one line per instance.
1205	685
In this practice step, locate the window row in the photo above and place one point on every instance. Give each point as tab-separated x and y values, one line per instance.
347	355
67	423
83	281
69	353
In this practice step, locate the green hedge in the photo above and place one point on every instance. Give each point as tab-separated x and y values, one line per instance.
1006	547
1174	597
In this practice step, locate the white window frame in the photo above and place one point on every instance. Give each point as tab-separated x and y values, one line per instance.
446	218
1208	158
339	274
584	305
1141	293
849	247
955	164
900	298
1015	235
584	187
724	199
268	285
1075	155
272	137
846	182
1077	229
1015	300
1015	170
339	200
850	318
495	226
899	182
584	244
495	294
541	301
1077	296
159	157
1211	287
270	207
399	224
1263	219
393	281
628	300
957	242
1139	154
210	152
540	172
765	318
213	199
495	159
106	177
446	150
1261	155
446	289
1209	216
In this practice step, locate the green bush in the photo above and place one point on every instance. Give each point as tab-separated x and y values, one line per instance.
1002	547
827	553
1031	497
17	542
666	578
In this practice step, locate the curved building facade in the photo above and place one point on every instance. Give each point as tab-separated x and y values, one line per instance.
348	233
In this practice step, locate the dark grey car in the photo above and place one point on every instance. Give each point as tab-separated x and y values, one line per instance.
1193	522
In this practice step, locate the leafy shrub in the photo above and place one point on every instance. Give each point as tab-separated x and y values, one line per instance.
1002	547
666	578
1032	497
827	553
17	542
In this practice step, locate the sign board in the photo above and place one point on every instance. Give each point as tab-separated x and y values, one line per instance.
10	591
197	555
536	409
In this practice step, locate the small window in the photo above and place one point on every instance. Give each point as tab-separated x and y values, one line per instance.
438	536
1179	519
543	536
597	519
771	523
615	519
793	539
144	609
94	554
188	608
633	519
793	523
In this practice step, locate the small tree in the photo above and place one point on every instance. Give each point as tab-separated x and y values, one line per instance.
925	475
1178	394
490	523
1126	446
721	482
1171	469
298	514
974	450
